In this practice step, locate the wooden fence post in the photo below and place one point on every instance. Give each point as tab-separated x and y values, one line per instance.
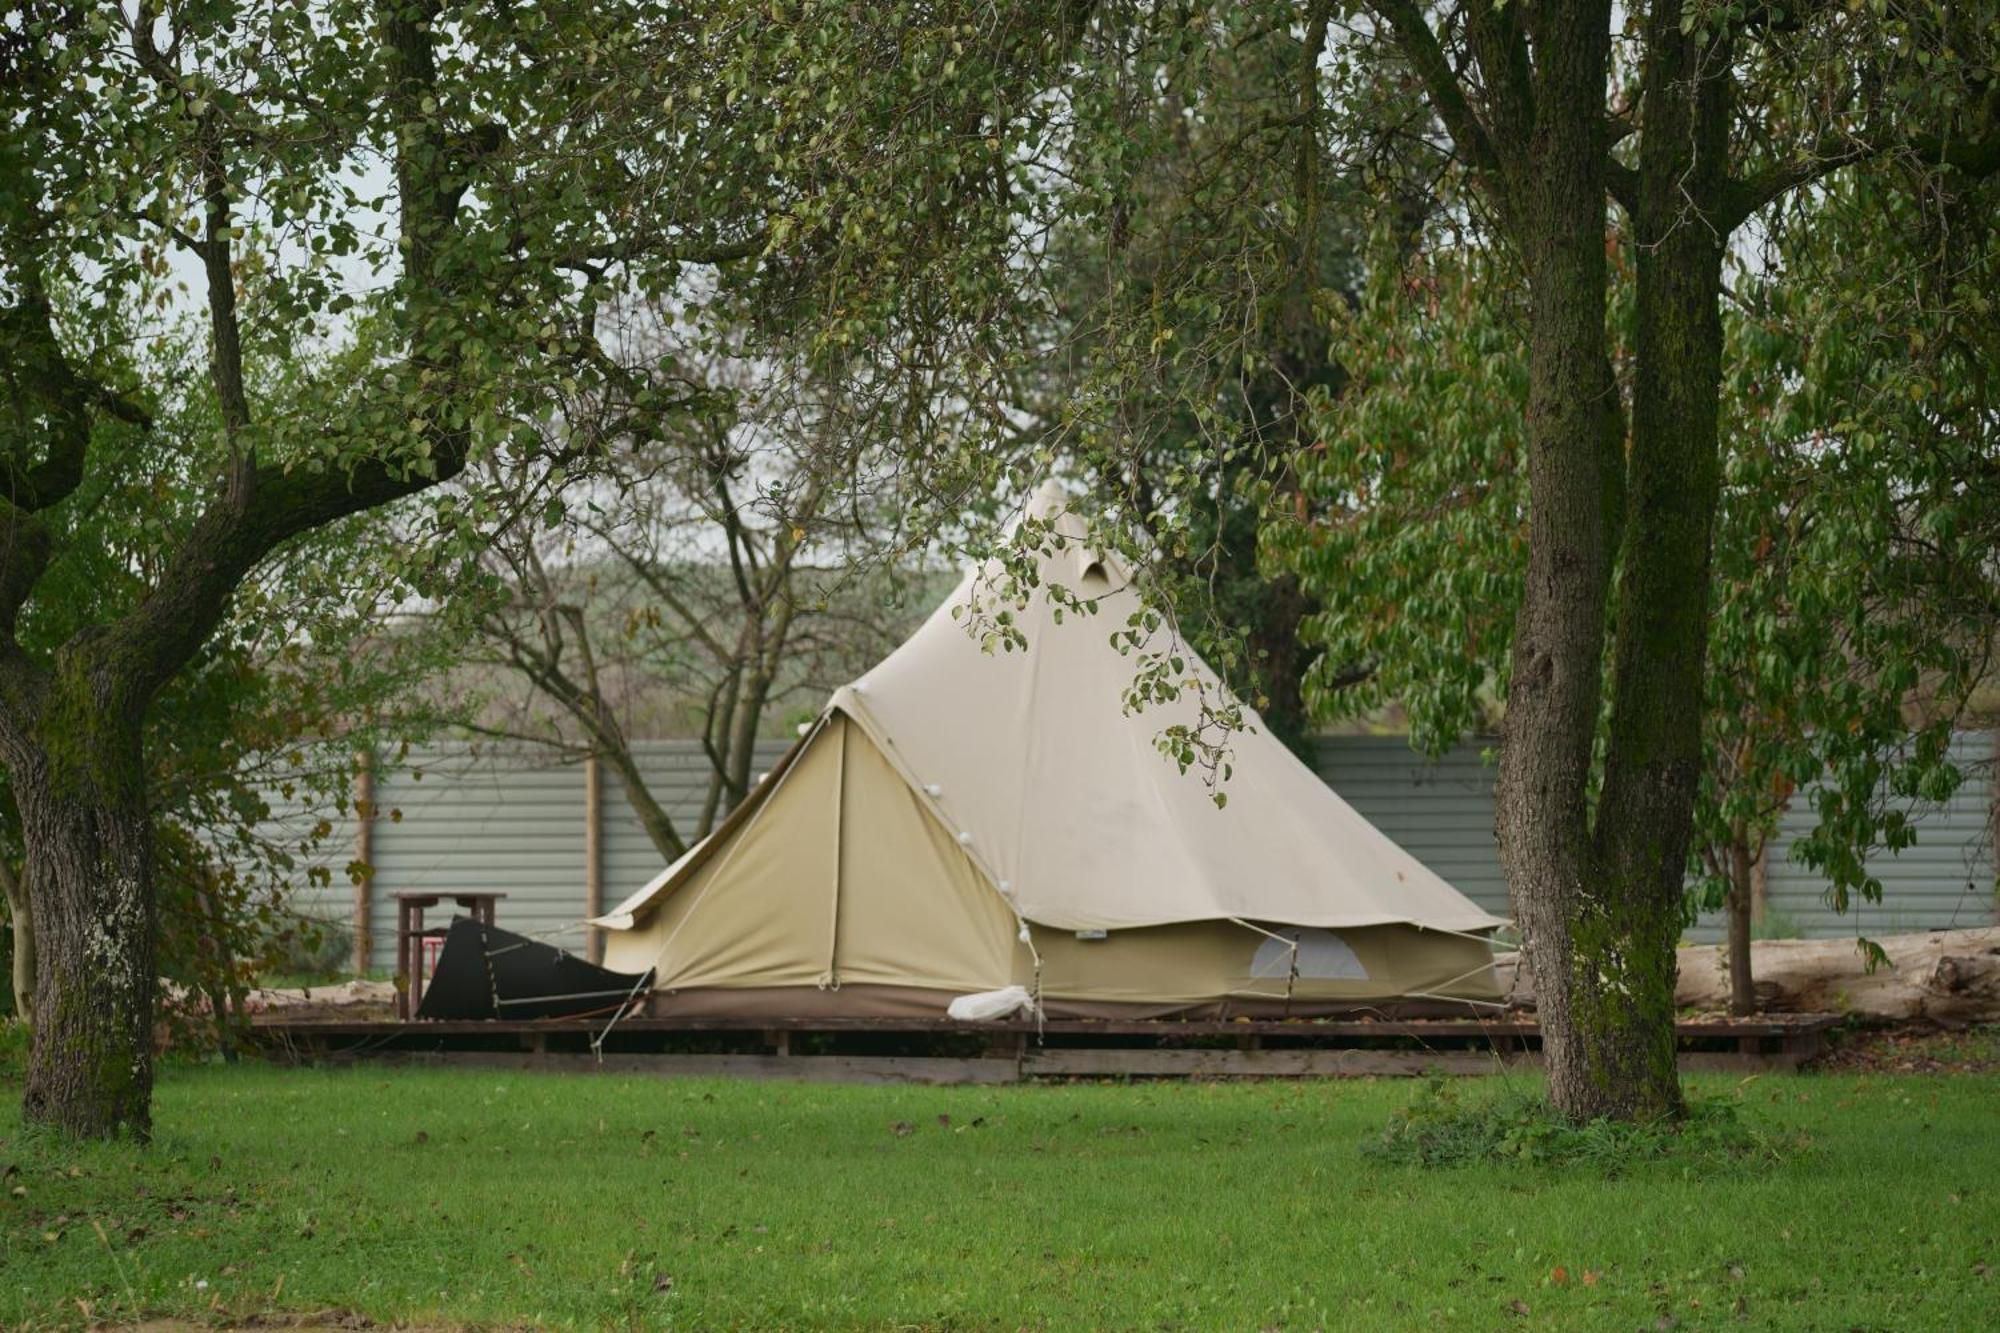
593	856
364	853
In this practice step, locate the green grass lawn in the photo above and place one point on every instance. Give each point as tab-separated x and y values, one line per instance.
452	1198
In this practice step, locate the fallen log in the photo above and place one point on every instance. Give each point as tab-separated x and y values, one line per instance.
1947	977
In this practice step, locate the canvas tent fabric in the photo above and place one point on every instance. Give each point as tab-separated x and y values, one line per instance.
959	820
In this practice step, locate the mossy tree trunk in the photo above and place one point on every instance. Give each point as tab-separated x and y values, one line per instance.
1595	843
80	787
72	716
1595	927
1653	747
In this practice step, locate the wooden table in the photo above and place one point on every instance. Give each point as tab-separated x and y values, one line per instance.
410	935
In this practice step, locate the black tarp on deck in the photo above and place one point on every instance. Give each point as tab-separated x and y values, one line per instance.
486	972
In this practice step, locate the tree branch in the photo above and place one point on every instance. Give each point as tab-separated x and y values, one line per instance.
1623	183
1309	114
53	405
1420	47
646	571
1501	49
1743	196
54	411
266	505
225	330
1974	156
230	539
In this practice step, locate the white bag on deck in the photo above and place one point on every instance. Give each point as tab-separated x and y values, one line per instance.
990	1004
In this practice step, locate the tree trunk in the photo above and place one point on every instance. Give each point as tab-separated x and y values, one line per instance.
1742	977
80	786
1605	1055
21	913
715	739
767	650
1653	751
743	728
1760	881
653	816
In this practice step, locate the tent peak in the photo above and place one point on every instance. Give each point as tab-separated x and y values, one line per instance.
1049	499
1076	555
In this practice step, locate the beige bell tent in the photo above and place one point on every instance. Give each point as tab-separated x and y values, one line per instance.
958	822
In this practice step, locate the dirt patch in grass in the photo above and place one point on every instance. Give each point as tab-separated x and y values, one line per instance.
1914	1051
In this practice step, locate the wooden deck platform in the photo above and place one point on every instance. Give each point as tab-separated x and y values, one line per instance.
913	1050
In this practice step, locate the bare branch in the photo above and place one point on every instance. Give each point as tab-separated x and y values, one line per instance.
1623	183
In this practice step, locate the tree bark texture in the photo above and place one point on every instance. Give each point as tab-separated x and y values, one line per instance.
1742	977
1596	883
1604	973
71	721
1599	899
1652	765
80	785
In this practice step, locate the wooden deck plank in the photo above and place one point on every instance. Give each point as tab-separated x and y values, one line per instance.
1770	1025
805	1068
1069	1048
1071	1063
1349	1063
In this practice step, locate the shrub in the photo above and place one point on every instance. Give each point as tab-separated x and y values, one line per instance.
1443	1127
318	951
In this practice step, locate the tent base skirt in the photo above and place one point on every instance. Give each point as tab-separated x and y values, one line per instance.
768	1003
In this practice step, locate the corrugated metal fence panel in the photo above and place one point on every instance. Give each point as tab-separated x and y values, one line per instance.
1945	879
460	818
1441	813
290	827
